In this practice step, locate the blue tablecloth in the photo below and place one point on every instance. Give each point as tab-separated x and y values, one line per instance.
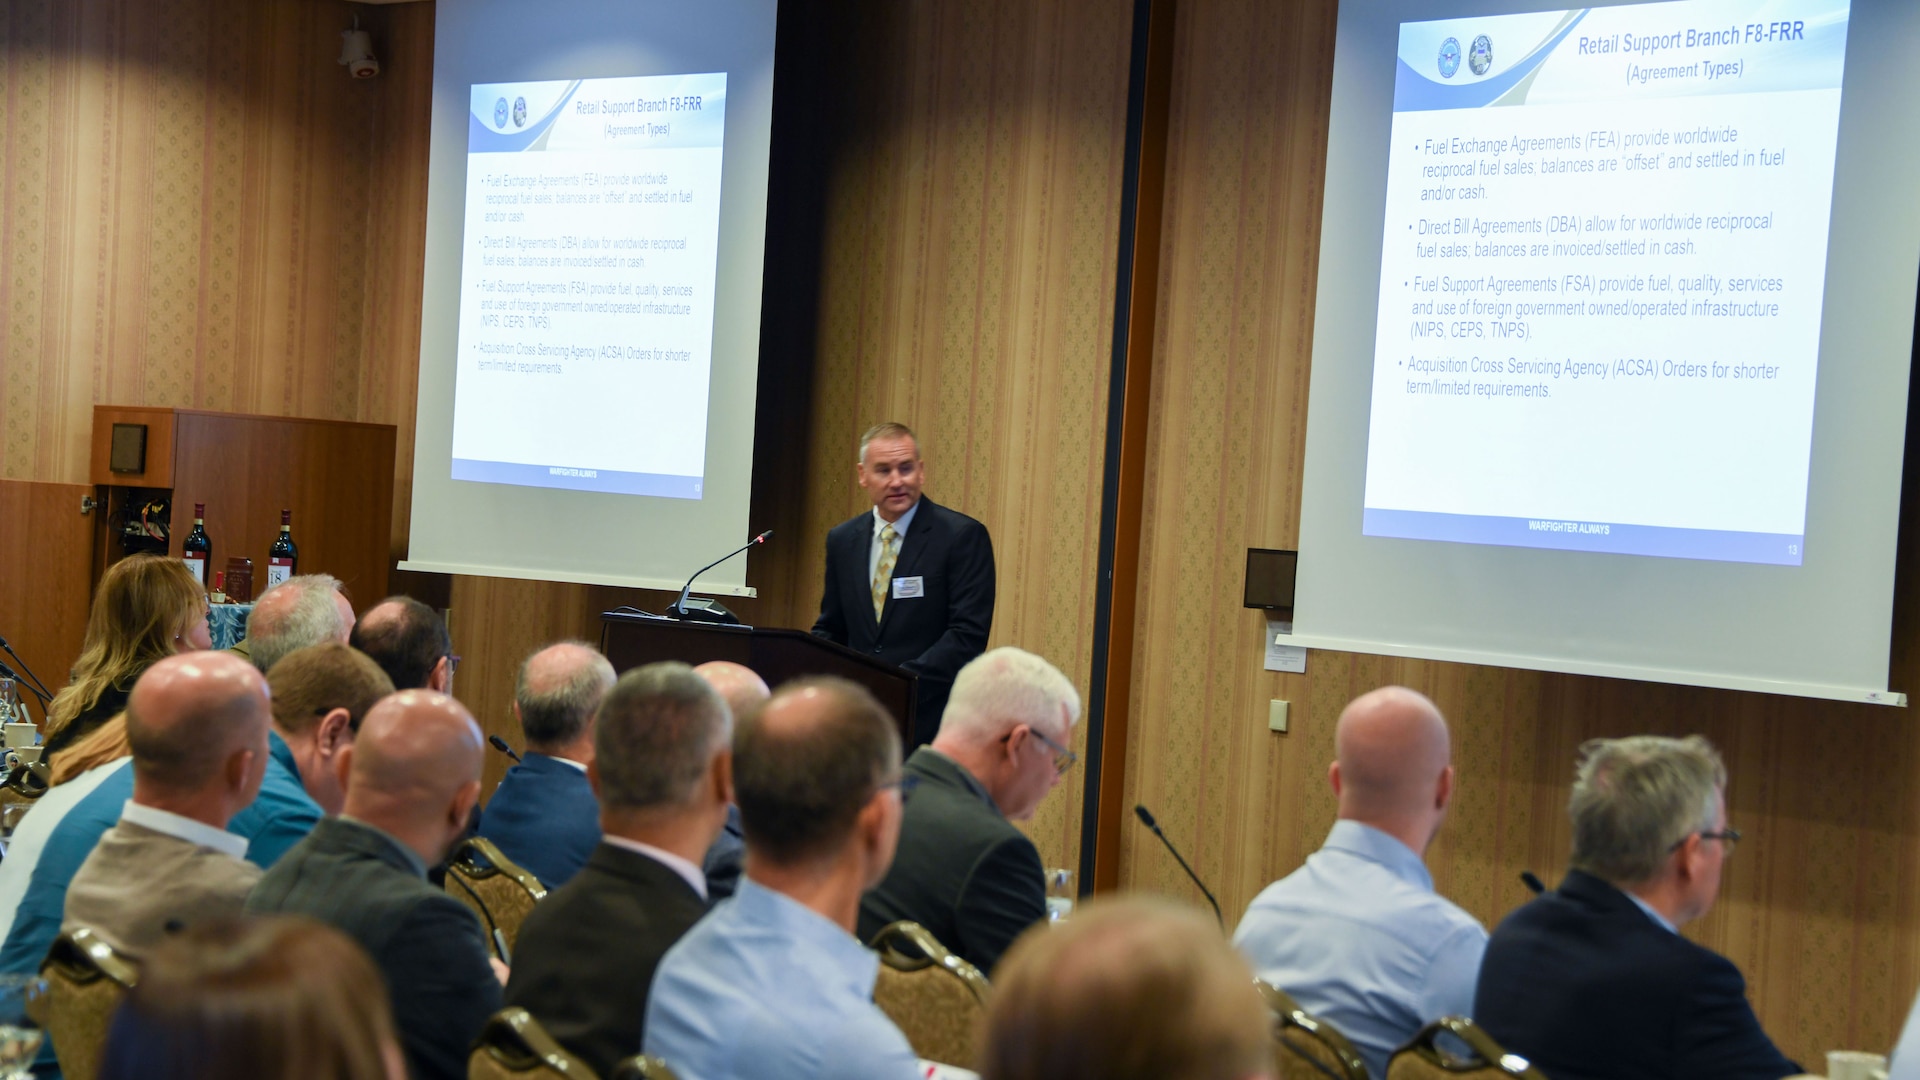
229	622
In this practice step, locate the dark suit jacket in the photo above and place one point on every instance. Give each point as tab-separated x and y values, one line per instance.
933	635
544	817
726	858
586	955
961	870
1583	984
429	946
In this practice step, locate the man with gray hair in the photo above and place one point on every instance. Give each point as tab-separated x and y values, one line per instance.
1593	980
306	610
544	816
963	871
663	769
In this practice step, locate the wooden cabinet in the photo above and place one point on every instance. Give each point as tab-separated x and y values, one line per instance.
336	476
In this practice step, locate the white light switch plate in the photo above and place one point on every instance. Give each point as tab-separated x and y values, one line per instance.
1277	716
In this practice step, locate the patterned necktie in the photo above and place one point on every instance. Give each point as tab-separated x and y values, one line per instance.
883	570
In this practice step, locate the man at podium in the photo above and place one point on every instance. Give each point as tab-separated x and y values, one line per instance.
911	581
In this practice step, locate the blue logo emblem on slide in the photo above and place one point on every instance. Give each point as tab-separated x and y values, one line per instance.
1480	58
1449	57
519	112
500	113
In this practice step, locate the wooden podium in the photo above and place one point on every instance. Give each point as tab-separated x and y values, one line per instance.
630	639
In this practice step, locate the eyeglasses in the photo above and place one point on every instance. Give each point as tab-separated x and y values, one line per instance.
453	663
1063	758
1729	837
906	782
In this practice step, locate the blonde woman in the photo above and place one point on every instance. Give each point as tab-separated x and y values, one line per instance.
148	607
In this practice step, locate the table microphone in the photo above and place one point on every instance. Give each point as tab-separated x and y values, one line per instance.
38	686
709	611
500	744
1147	820
1532	881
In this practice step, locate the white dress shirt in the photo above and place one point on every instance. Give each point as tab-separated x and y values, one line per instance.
184	828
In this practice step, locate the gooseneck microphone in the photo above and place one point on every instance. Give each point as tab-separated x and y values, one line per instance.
500	744
1532	881
1147	820
710	612
38	687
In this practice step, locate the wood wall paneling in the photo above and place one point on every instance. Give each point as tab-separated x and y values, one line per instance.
1818	907
45	544
201	209
966	290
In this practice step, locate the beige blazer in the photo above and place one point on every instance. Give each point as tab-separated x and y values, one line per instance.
139	885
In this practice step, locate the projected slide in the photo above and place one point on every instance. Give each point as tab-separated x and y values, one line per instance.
587	284
1602	277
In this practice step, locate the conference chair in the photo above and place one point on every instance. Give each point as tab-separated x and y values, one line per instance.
642	1067
513	1046
497	889
86	978
935	998
1455	1048
1306	1048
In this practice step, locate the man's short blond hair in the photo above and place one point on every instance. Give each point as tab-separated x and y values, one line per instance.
1128	987
1635	798
888	430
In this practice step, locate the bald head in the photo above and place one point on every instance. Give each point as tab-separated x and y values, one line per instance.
738	685
414	769
189	715
1393	764
407	639
556	694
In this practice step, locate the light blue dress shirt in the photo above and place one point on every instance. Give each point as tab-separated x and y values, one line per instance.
1359	939
765	986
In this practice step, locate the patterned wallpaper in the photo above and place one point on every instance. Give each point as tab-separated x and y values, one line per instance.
1818	906
200	209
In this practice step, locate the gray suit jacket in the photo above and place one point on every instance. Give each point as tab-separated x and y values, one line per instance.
429	946
139	885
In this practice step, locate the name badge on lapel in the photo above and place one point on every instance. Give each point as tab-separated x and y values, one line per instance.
909	588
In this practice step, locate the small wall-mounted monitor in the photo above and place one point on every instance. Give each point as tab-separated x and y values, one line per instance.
129	451
1270	580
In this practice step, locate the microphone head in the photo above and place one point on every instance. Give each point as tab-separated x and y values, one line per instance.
1146	818
500	744
762	538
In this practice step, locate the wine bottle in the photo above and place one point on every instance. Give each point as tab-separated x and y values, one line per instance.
283	556
196	550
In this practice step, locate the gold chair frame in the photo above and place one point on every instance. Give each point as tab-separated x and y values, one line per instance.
476	866
1294	1027
1489	1058
906	948
78	959
516	1042
643	1067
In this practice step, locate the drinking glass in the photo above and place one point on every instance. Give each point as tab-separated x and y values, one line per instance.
20	1034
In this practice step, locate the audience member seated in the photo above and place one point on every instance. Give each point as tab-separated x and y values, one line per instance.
103	753
37	917
409	641
306	610
413	778
146	608
1593	980
198	729
663	770
320	695
1127	989
288	998
543	815
963	871
773	982
1357	936
743	690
